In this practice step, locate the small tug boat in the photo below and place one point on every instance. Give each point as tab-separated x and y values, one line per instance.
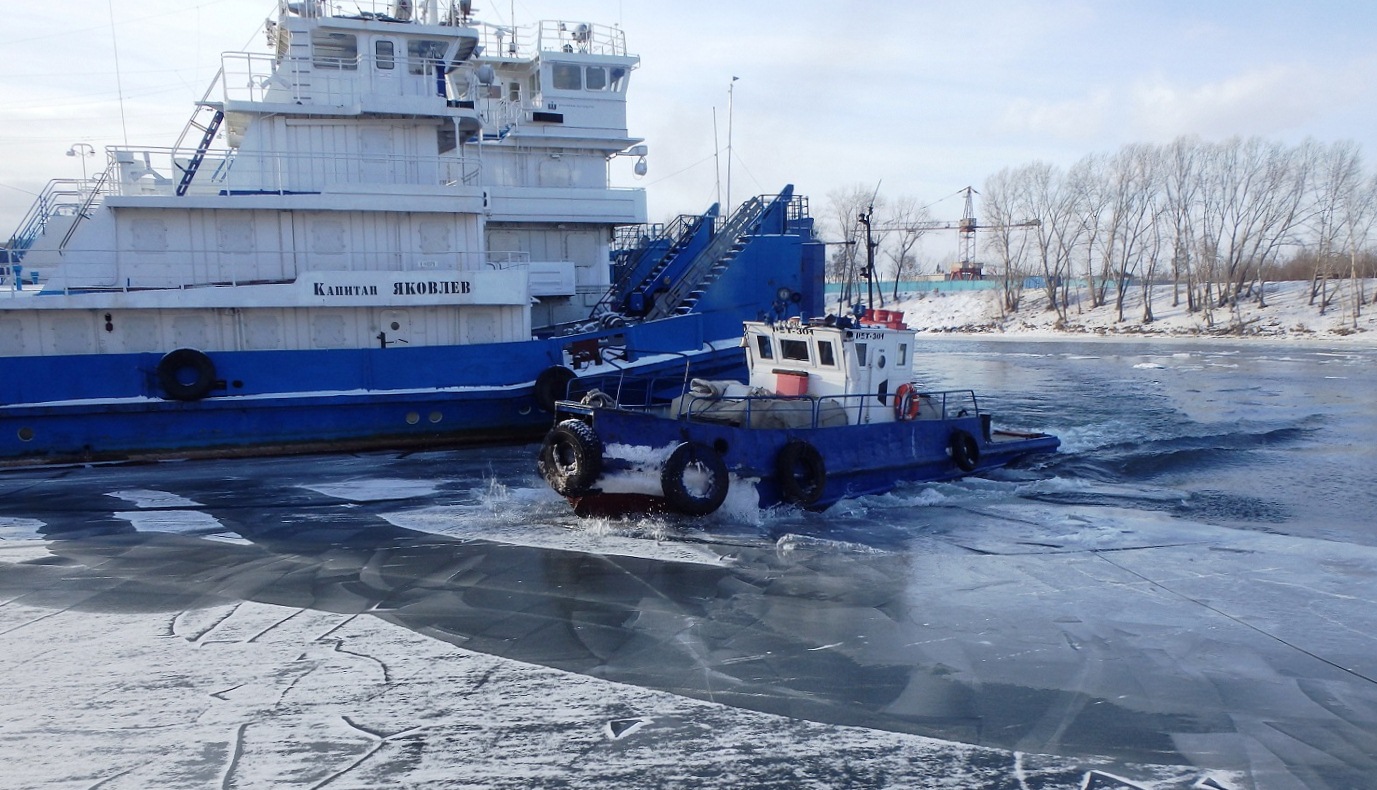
830	411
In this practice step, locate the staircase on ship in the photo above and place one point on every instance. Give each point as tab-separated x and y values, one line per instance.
669	272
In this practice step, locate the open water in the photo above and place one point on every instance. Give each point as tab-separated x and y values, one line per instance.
1183	597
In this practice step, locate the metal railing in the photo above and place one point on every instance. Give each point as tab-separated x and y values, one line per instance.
201	268
551	35
943	405
60	198
157	171
635	393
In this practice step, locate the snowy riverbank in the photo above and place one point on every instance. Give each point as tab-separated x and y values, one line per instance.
1288	315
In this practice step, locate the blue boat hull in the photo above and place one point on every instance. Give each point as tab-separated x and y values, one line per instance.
110	406
856	460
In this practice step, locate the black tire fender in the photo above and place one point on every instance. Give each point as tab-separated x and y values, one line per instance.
965	450
694	479
570	458
800	472
552	385
186	374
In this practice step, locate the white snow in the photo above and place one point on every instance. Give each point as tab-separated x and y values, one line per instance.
1288	314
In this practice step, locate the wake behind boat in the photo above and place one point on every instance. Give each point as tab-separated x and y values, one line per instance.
829	411
394	227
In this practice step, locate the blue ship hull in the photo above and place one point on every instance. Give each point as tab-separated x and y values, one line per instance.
847	461
109	406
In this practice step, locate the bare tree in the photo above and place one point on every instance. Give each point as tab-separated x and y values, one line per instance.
1131	183
1181	184
1360	216
1036	192
907	219
1006	235
844	206
1338	177
1261	189
1093	199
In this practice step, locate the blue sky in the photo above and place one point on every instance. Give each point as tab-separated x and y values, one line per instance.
921	98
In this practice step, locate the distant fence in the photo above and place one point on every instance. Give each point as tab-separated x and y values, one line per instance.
926	286
949	286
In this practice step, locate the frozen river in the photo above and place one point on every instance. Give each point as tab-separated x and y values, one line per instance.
1184	597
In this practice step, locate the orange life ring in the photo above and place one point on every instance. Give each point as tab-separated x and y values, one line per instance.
906	403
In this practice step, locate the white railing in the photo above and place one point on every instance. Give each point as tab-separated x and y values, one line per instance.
157	171
332	82
433	12
551	35
200	268
558	36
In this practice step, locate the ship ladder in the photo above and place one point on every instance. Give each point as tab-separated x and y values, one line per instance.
189	172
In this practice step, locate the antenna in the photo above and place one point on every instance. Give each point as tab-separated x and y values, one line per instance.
870	246
119	80
716	158
731	89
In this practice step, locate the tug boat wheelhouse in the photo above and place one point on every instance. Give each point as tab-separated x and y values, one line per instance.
394	227
829	411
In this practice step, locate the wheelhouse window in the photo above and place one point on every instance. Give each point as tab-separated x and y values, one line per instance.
825	354
595	78
385	55
334	51
860	354
763	348
796	350
423	54
567	76
903	354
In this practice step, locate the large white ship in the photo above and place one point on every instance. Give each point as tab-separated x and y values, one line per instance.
392	227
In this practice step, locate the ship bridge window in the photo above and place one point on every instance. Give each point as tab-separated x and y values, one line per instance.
596	78
385	54
796	350
825	356
903	354
860	354
567	77
334	50
423	54
618	79
762	344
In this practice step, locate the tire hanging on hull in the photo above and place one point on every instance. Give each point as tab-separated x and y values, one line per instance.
694	479
965	451
186	374
800	472
552	385
570	458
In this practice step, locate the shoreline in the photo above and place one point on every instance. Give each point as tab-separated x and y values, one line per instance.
1288	318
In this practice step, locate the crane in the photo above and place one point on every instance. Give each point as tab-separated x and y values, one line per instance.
965	227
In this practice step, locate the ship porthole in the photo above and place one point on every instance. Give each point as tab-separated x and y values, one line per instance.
436	416
412	418
26	434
